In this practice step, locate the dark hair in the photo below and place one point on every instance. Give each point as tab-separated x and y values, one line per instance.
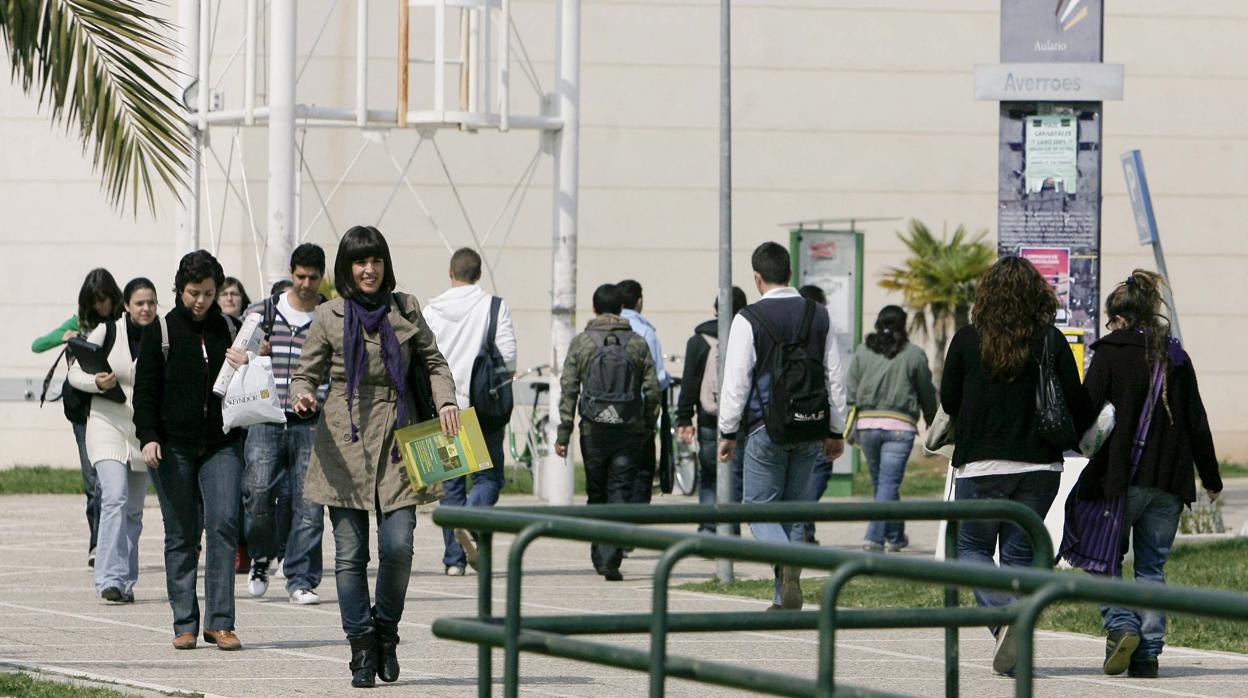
245	300
1012	304
890	335
630	293
279	286
738	301
98	285
608	300
362	242
466	265
771	261
197	266
1139	302
310	256
813	293
137	284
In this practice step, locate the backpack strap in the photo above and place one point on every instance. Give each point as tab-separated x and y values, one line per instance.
808	317
491	329
164	335
270	316
110	337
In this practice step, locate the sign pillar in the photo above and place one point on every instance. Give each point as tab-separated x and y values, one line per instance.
1051	84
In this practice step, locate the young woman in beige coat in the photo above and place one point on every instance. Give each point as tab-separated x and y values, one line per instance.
366	340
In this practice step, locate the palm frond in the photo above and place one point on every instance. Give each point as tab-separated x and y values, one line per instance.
104	65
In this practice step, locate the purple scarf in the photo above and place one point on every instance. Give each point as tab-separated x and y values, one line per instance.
372	318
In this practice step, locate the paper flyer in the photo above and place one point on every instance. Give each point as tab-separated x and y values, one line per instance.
431	457
1053	263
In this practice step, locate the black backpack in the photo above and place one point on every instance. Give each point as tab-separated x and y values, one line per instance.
798	408
611	386
489	389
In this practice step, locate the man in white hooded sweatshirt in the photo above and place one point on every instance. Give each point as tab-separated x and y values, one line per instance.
460	318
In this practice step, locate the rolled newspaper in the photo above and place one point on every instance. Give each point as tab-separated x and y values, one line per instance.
247	339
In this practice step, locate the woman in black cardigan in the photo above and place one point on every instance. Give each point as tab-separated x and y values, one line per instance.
1138	366
989	388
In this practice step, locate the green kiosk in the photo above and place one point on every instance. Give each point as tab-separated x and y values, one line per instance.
828	253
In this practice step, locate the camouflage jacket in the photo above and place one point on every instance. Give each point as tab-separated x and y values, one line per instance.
579	354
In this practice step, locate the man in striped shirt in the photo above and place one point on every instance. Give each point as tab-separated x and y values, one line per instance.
275	450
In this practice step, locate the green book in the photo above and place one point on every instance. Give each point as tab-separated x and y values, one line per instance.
432	457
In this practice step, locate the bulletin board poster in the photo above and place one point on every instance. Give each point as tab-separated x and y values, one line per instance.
1053	263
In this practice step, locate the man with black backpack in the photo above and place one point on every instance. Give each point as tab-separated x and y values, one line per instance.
278	454
610	377
699	396
475	334
784	386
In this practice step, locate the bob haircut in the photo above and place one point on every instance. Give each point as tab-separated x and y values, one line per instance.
362	242
137	284
98	285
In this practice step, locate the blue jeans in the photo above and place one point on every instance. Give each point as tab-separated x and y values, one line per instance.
778	473
887	453
198	494
394	566
977	540
708	472
1152	519
486	485
278	457
90	484
122	491
819	477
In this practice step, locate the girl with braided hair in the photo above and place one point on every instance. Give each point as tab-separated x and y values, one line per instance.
1144	472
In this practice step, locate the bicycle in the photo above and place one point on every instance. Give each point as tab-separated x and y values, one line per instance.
526	433
684	455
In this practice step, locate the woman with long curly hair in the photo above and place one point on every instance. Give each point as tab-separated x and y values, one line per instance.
1143	474
989	388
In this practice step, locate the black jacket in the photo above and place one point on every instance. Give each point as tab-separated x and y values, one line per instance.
697	350
1120	374
173	398
995	419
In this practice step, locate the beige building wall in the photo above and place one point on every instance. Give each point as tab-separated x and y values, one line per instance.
841	108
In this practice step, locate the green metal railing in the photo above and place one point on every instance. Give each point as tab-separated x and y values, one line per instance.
950	618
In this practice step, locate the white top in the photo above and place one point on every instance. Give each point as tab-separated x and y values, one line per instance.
110	428
739	370
459	318
1003	467
294	318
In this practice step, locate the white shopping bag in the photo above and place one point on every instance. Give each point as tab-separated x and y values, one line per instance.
252	396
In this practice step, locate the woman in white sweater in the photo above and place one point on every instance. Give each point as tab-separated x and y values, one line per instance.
113	448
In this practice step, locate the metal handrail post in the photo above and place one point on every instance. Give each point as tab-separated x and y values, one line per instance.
511	623
1025	634
951	601
827	624
485	611
658	612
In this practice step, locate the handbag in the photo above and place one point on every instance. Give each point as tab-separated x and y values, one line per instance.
1053	420
251	397
1092	533
939	440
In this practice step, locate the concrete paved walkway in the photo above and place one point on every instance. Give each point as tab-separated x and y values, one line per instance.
50	620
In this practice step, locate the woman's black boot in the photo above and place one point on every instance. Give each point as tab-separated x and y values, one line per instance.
363	662
387	657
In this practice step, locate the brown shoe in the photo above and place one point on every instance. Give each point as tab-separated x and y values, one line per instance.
223	639
791	587
184	641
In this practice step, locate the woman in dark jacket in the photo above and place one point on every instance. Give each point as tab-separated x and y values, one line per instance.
989	388
195	466
367	341
1149	379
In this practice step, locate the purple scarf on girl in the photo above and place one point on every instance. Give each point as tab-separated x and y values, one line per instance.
372	317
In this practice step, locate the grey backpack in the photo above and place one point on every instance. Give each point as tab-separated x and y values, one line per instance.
708	396
611	386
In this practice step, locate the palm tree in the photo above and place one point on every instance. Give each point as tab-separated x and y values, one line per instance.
938	282
104	66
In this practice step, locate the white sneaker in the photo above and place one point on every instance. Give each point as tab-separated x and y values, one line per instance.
304	597
258	581
275	569
454	571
